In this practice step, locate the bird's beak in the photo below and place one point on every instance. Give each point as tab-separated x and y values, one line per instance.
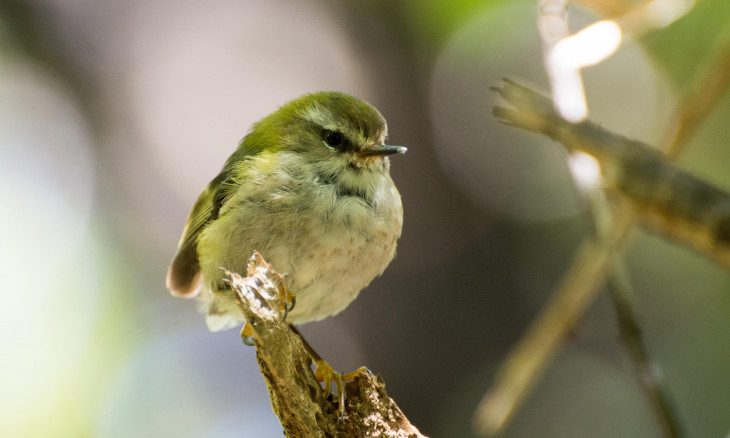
381	150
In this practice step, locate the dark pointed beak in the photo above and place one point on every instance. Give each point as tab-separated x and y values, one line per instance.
381	150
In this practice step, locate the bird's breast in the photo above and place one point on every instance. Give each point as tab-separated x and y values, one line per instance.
330	239
340	248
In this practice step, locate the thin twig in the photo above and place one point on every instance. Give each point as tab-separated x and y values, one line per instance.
697	104
649	373
528	360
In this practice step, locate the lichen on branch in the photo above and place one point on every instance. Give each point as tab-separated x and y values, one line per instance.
297	398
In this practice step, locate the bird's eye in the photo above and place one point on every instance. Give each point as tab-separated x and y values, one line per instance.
333	138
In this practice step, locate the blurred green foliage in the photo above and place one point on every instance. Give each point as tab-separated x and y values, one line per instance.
686	46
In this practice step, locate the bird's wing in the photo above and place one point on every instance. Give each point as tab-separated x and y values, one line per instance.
183	275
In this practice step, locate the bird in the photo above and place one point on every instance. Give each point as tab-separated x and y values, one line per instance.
309	188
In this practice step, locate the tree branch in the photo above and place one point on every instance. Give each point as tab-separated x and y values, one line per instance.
665	198
303	407
649	188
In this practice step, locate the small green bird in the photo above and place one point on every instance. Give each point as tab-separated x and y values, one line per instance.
309	187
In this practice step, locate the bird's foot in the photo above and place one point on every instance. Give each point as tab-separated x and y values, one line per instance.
287	299
327	375
247	334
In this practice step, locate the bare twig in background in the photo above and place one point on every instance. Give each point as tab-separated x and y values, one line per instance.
530	357
303	408
552	22
649	373
652	190
666	199
697	104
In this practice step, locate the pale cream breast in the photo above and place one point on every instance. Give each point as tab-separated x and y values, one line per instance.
331	245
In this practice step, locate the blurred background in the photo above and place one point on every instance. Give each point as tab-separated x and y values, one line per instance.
115	114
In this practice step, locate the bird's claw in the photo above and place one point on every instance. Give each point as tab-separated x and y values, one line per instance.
325	374
247	334
287	298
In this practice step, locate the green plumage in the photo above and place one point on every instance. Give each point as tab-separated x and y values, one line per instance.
292	190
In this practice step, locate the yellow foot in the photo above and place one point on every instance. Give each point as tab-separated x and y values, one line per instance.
287	299
247	334
327	375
